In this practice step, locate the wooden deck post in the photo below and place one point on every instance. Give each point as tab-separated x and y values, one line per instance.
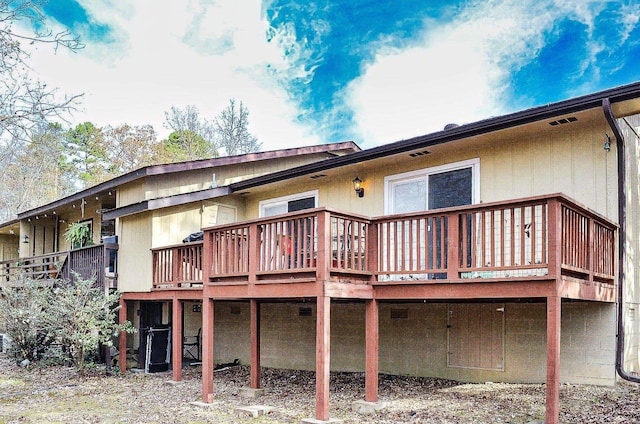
122	340
554	212
254	252
323	356
372	351
554	306
207	350
176	339
255	344
324	248
453	245
372	259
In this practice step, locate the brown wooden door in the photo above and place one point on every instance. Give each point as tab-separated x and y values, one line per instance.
476	335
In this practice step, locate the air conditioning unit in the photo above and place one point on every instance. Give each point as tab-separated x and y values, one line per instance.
5	343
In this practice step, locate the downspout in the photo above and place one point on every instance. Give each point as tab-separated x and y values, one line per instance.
622	220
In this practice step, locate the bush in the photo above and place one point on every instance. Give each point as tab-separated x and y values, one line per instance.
23	310
83	316
74	314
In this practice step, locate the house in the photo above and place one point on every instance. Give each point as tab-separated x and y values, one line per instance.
131	215
500	250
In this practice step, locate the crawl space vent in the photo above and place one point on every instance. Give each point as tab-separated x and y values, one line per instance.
398	313
304	312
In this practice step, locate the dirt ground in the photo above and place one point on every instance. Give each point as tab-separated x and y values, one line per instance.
58	395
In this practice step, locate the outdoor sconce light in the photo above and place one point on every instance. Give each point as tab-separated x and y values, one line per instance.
607	143
357	186
25	239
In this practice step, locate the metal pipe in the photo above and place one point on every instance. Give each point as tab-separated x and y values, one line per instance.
622	220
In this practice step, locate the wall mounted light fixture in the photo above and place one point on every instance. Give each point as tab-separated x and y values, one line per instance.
607	143
25	238
357	186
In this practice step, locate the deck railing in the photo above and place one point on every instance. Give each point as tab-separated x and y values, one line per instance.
93	262
288	246
177	266
46	266
546	236
97	261
543	236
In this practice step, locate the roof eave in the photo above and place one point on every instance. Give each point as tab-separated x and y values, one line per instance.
540	113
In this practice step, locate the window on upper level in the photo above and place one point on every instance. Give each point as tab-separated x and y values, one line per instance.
442	186
287	204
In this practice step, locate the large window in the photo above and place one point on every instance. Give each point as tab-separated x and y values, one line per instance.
416	248
287	204
443	186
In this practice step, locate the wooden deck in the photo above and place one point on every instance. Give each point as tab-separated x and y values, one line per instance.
544	248
87	262
515	247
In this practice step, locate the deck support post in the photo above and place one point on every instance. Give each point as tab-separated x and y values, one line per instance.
176	339
122	340
323	356
207	350
255	344
371	351
554	305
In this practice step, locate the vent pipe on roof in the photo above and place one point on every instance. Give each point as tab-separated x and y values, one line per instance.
622	220
450	126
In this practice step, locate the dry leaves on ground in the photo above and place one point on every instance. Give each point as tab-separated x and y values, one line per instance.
58	395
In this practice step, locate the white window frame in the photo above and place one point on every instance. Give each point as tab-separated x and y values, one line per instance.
390	180
286	199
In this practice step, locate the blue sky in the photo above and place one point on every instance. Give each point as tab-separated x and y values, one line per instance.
322	71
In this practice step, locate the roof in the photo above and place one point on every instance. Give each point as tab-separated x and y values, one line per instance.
355	155
449	134
541	113
337	149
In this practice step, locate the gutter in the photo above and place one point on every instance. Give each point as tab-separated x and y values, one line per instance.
622	217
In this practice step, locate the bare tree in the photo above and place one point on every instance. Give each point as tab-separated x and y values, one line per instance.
24	101
192	136
232	131
131	147
34	173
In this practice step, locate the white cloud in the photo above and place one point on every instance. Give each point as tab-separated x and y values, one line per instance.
203	52
458	71
175	53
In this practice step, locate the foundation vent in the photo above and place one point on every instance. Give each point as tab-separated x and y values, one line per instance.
304	312
399	313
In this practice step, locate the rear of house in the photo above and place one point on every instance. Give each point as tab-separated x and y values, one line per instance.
501	250
485	252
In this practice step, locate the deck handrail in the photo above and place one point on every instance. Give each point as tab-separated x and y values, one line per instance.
542	236
47	266
177	266
87	262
